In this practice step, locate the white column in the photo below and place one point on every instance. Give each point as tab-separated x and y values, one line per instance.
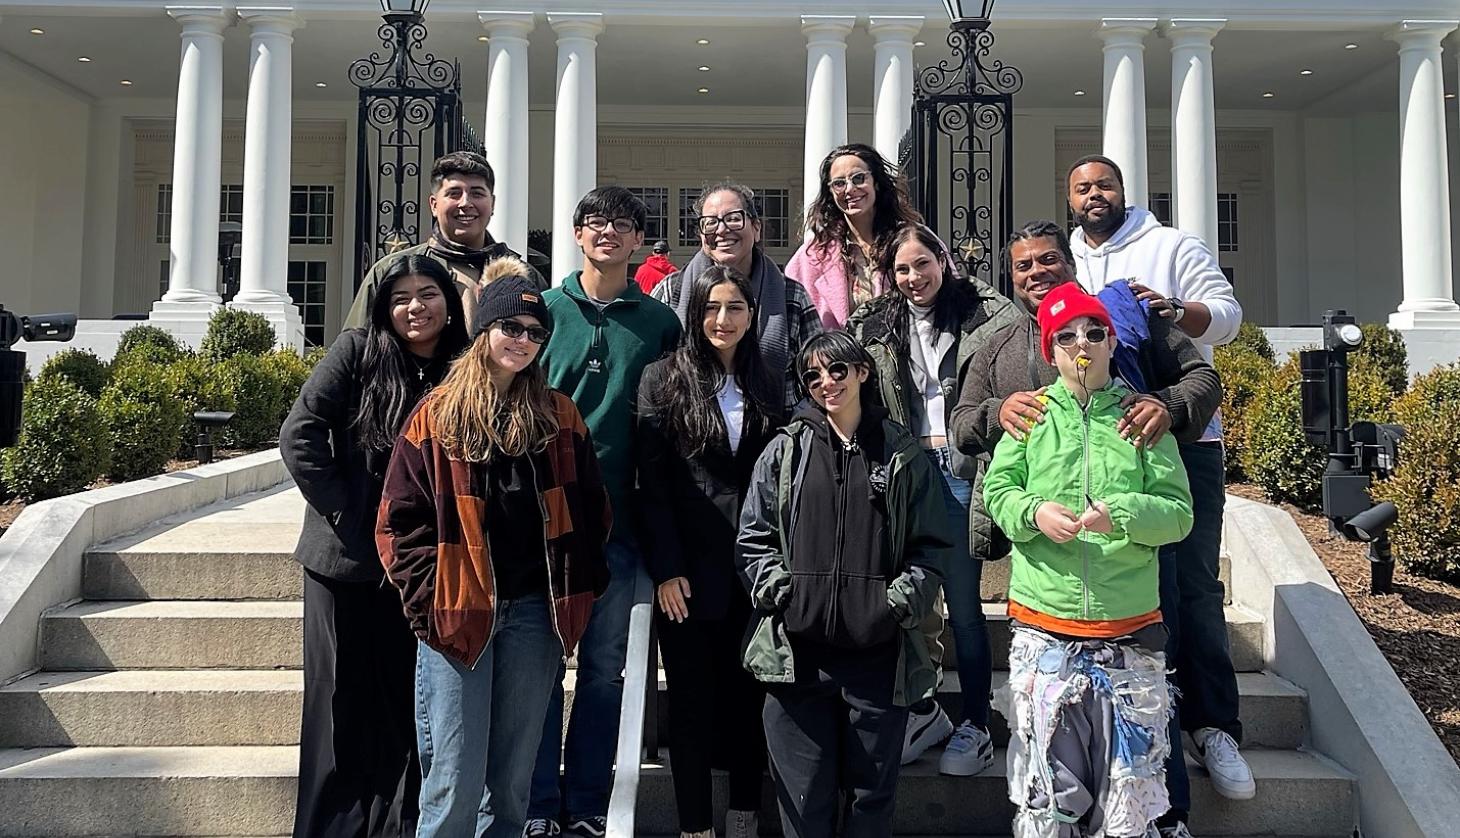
892	80
1194	128
192	286
505	132
826	92
575	130
1125	101
1424	183
267	140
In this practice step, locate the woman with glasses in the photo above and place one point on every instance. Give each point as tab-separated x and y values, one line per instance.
922	335
858	206
358	771
842	543
785	318
491	526
705	414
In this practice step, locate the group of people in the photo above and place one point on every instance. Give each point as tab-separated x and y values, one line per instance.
809	464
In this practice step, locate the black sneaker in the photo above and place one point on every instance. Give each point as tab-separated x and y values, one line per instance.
541	828
594	827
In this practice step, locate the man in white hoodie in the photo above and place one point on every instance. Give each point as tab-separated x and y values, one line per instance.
1178	276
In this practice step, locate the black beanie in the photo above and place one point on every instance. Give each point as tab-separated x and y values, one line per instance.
508	297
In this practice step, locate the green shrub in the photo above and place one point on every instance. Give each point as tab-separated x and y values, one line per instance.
1426	484
258	394
149	343
1278	456
80	367
315	355
1383	351
1244	374
1252	338
232	333
197	384
63	443
291	371
143	419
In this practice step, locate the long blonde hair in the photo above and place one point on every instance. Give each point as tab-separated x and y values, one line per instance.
474	421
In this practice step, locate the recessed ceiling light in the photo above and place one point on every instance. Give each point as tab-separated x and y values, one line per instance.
920	43
1350	46
1079	93
703	42
320	84
1305	72
83	59
704	90
126	82
37	31
704	68
483	38
1268	95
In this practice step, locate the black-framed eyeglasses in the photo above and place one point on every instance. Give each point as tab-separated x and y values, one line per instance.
599	223
514	329
733	220
1092	335
855	179
813	377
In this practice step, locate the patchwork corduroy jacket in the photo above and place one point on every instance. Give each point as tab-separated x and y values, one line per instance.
431	534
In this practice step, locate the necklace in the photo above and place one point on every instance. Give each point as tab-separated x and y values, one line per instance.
421	364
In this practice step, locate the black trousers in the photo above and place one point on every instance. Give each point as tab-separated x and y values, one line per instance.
359	774
714	714
835	729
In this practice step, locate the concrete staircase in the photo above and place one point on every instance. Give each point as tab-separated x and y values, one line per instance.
168	704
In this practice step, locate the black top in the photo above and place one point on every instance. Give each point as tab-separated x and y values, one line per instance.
514	526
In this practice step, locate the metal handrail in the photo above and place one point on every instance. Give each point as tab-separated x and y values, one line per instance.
639	669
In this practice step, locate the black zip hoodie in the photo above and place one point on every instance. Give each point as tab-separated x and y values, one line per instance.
841	564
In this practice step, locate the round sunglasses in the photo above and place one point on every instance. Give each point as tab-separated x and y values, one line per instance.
1094	334
514	330
813	377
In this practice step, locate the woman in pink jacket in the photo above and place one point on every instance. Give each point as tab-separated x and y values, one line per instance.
858	207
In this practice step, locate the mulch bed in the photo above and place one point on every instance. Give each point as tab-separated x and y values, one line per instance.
1417	627
11	509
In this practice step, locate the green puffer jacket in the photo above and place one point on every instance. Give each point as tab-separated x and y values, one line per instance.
881	326
1072	455
917	534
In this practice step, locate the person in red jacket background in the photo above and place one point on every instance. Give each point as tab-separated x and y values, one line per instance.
655	268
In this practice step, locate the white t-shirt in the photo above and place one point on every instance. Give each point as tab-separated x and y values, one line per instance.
732	407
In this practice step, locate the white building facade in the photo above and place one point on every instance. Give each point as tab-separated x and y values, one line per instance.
1311	144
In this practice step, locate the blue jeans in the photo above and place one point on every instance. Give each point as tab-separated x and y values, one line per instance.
587	753
477	728
961	589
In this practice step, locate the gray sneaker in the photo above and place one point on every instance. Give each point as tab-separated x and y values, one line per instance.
1176	830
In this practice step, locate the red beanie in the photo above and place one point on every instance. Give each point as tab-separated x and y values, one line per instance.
1063	305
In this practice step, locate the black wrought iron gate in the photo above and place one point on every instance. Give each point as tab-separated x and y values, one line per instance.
406	106
958	154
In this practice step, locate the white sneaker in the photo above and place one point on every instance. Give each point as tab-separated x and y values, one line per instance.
924	731
1230	773
1176	830
969	752
740	823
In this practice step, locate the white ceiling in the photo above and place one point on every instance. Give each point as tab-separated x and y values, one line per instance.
751	65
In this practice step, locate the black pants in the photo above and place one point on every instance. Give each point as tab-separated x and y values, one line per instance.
359	774
714	714
836	729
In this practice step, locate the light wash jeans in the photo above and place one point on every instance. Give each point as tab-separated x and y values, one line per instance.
478	728
588	751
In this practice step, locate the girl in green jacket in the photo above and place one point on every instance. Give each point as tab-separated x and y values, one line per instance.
1087	699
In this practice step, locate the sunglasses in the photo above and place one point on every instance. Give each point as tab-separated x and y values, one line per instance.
1094	334
514	330
856	179
812	378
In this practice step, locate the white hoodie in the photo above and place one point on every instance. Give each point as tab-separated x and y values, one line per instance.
1171	263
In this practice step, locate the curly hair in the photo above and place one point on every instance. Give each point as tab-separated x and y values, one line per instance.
890	209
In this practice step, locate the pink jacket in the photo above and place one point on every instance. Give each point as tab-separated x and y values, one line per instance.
825	277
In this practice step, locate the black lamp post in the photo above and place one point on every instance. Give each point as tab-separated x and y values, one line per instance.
968	14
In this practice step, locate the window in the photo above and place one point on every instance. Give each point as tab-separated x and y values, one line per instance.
656	198
164	217
1227	222
1231	276
162	282
307	288
689	233
230	208
775	214
1161	207
312	215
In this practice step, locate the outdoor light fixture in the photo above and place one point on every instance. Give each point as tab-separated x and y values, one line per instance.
207	420
411	8
970	14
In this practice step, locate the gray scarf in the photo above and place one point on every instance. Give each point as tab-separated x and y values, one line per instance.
768	285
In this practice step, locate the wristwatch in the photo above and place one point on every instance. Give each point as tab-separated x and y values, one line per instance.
1178	307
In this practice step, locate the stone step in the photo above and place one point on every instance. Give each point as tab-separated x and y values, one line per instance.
150	708
154	791
232	573
1298	794
1274	711
172	635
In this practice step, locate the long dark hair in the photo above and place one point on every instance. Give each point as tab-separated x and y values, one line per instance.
686	397
891	209
955	296
390	384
